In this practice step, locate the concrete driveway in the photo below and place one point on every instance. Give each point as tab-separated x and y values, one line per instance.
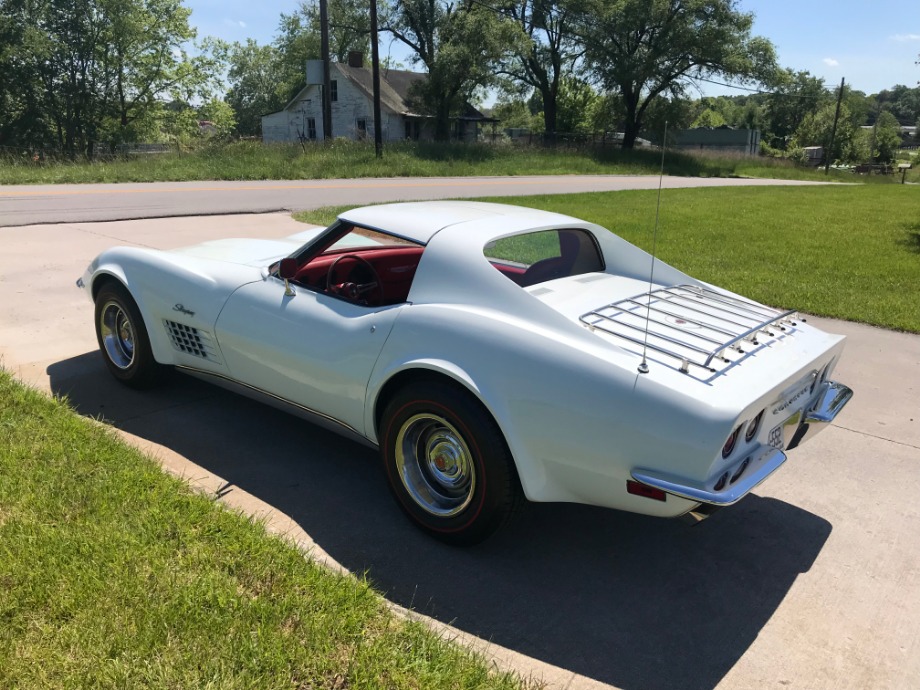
813	582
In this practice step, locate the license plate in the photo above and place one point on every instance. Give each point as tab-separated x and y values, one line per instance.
781	435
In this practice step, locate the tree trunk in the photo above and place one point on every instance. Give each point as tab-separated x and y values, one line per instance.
442	121
550	112
631	121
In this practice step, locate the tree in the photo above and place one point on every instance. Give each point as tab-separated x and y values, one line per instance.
902	101
514	113
547	52
575	100
298	38
709	118
646	48
816	130
221	116
887	136
459	45
258	83
86	70
795	96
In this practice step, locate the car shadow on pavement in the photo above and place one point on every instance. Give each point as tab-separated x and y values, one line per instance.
625	599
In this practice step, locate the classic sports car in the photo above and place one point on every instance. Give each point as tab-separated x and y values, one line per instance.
491	352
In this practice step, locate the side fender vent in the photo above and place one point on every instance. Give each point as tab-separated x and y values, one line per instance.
191	341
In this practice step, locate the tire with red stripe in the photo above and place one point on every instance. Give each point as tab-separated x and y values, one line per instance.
447	462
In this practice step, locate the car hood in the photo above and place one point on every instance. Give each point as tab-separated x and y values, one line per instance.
246	252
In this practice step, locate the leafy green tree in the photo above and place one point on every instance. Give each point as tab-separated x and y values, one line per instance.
795	96
709	118
515	113
258	84
901	101
887	136
298	38
863	109
816	130
86	70
646	48
221	116
547	51
349	29
575	100
459	46
675	111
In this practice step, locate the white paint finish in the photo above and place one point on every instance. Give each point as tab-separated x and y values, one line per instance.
311	349
577	416
850	619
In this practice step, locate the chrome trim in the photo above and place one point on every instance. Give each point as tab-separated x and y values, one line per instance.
832	398
435	465
117	334
724	323
298	410
701	512
759	469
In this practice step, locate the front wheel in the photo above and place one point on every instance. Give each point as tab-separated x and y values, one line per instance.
447	463
123	338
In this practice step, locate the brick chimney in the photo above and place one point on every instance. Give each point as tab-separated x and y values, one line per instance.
355	58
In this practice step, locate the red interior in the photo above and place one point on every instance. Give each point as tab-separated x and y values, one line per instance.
395	267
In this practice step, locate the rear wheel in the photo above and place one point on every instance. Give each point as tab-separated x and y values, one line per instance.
447	463
123	338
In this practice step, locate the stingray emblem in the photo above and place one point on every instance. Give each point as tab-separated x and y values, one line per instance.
181	308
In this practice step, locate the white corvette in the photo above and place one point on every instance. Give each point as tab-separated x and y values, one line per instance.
491	352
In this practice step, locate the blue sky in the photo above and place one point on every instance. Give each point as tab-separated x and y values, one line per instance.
874	45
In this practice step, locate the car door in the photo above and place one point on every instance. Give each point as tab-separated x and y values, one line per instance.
310	348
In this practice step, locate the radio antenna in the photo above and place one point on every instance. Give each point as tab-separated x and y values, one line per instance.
643	367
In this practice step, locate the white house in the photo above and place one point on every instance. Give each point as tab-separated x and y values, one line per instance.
351	92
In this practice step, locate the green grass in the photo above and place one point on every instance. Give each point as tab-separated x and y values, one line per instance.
344	159
115	575
849	252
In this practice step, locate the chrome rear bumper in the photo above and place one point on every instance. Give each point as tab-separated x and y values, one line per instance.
831	399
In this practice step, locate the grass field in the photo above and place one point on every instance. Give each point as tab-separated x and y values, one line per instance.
846	252
344	159
115	575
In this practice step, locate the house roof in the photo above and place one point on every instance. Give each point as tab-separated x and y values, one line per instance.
395	86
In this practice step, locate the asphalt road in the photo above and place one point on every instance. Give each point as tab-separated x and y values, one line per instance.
811	582
33	204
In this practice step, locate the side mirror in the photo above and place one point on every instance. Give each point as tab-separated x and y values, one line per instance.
287	270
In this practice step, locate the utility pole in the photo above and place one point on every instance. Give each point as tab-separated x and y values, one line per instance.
324	48
375	67
829	153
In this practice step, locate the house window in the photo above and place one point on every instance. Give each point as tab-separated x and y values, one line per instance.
333	91
412	130
311	128
362	128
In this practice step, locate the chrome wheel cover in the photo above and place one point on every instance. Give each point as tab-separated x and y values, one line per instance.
117	333
435	465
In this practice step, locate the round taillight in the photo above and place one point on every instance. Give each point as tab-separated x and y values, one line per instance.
741	468
730	442
723	480
753	427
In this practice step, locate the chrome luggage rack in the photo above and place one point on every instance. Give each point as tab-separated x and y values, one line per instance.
694	325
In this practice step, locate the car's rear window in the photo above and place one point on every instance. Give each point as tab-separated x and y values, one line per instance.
535	257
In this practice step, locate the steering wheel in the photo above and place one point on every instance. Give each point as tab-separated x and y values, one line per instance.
354	291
